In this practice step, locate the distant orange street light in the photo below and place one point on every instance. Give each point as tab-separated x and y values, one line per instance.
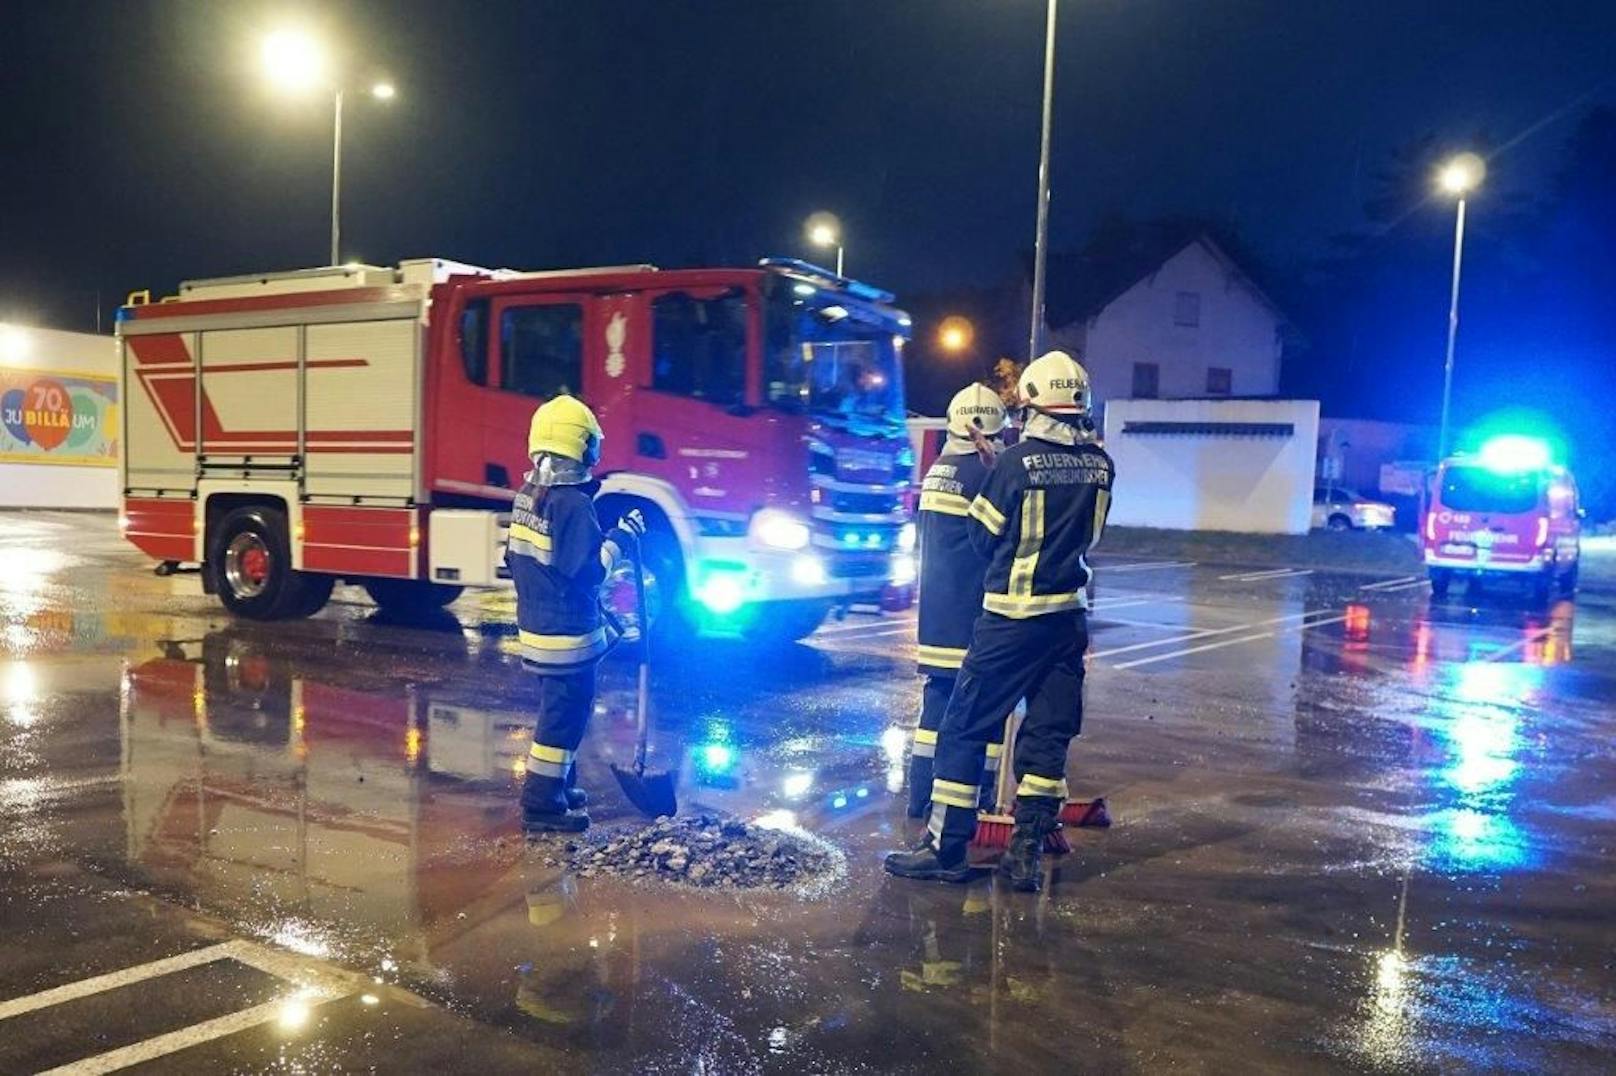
955	334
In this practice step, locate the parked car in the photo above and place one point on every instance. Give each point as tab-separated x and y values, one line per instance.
1342	508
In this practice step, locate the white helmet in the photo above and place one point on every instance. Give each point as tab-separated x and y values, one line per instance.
976	407
1057	385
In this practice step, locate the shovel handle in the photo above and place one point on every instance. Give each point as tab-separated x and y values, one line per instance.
642	715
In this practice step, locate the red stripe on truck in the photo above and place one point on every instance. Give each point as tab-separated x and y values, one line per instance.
360	541
340	297
161	528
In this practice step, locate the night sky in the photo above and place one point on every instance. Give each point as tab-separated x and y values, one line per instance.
140	146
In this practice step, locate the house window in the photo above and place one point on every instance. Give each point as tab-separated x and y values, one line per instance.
541	349
698	346
1187	309
1219	381
1146	381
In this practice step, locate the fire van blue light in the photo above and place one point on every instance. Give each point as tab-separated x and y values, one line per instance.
1514	453
721	587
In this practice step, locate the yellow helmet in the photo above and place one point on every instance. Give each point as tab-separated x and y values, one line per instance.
565	427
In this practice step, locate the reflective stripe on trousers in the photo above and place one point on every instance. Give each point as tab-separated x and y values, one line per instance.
547	761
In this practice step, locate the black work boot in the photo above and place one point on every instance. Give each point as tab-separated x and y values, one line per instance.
1023	861
577	799
547	807
927	865
553	821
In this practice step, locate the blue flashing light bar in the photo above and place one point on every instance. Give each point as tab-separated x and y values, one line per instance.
852	287
1514	454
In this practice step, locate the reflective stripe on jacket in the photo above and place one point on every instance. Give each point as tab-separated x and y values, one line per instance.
950	569
1042	508
553	553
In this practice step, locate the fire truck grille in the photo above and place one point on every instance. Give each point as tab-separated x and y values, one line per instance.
870	504
858	567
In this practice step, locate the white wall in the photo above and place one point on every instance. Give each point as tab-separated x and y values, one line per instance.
1259	485
35	485
1237	330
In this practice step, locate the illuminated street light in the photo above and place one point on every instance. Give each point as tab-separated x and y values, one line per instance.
297	62
824	230
1459	177
294	61
955	334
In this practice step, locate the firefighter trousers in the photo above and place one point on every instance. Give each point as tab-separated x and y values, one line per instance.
1039	659
566	699
934	696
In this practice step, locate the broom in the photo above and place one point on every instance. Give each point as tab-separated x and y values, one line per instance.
993	828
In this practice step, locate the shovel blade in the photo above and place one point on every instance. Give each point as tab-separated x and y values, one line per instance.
651	793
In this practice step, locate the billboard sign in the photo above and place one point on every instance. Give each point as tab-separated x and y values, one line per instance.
47	416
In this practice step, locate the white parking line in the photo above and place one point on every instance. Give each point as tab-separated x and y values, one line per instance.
1520	644
868	625
1145	566
315	983
1393	584
1418	584
1199	633
1272	573
1221	643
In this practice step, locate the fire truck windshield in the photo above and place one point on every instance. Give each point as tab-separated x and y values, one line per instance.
831	357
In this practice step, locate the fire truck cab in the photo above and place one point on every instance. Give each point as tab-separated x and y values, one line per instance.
289	430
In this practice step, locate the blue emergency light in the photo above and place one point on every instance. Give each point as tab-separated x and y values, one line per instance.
1514	454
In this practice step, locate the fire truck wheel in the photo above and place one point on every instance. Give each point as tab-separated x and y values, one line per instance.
250	559
780	623
410	596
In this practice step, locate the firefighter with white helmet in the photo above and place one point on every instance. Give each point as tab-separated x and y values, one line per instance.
951	572
1040	511
558	557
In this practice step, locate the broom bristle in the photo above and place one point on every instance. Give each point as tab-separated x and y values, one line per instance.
1056	843
1085	813
993	831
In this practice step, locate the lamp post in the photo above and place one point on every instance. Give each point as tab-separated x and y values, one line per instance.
1041	238
1458	177
298	63
824	230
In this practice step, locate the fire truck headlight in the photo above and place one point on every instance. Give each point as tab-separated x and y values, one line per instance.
903	570
808	570
775	529
906	538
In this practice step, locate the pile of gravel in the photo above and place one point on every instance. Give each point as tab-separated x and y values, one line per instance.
703	850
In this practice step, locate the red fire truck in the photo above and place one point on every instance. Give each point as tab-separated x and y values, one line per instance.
289	430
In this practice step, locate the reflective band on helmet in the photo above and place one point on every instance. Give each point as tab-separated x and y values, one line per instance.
561	649
983	512
1033	785
949	504
953	793
1020	607
941	657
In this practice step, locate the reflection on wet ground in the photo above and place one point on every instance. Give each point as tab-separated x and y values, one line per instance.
1353	829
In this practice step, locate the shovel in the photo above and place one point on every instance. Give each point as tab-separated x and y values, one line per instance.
651	793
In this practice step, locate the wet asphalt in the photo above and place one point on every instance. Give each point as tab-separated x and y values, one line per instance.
1353	830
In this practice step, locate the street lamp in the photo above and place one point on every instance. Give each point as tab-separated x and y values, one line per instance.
1041	236
954	334
824	230
1458	177
297	62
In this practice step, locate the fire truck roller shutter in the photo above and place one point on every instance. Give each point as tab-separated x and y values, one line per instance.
361	409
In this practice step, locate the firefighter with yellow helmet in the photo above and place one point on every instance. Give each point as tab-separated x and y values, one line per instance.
951	572
558	556
1040	511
